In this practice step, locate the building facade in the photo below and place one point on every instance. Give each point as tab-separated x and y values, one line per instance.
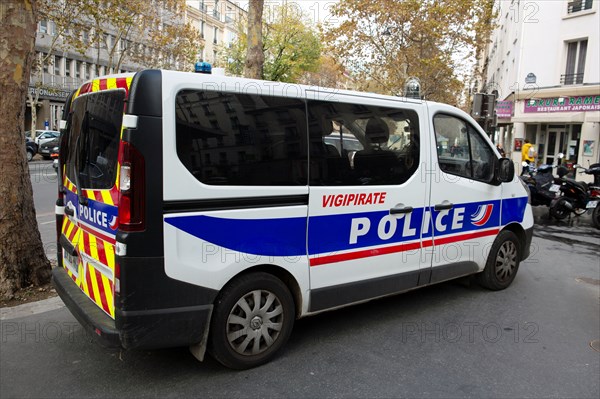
543	63
62	71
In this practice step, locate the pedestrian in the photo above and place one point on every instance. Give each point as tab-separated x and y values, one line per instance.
500	150
527	156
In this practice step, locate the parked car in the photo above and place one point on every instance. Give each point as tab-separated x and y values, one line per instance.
45	136
48	148
31	148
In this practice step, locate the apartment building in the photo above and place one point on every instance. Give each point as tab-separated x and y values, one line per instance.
543	62
65	70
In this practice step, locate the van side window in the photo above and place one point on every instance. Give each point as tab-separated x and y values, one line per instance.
361	145
461	149
242	139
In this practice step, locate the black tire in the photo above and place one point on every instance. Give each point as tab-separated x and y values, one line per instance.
29	155
239	339
503	262
559	210
596	216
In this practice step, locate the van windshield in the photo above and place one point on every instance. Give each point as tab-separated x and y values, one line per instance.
94	128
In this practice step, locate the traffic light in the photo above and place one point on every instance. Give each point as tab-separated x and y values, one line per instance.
477	105
483	106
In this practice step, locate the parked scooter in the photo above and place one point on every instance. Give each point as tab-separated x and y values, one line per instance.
578	197
543	186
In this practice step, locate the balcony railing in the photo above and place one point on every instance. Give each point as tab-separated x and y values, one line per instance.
571	79
59	82
579	5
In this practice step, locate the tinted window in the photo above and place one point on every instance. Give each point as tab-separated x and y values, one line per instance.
94	129
354	144
242	139
461	149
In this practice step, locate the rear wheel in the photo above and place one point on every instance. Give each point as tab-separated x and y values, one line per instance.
252	321
29	155
559	210
503	262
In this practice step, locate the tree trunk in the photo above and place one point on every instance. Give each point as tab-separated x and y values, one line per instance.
22	258
255	57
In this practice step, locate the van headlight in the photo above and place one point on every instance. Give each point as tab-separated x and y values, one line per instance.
526	189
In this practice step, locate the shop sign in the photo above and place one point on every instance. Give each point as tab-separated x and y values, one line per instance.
563	104
49	93
504	109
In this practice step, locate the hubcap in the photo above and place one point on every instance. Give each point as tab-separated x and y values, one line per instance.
255	322
506	260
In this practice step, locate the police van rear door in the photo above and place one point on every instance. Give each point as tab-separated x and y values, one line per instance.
91	193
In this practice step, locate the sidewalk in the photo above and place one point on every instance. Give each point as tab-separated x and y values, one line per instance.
31	308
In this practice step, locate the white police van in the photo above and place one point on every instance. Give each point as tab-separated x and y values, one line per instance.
212	211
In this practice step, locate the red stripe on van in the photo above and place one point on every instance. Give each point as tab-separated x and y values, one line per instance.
322	260
102	291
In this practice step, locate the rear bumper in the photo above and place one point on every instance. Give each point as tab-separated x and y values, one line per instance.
140	329
97	323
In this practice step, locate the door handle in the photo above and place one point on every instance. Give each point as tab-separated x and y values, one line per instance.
443	206
69	211
404	210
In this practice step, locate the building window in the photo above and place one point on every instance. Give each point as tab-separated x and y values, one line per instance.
68	68
202	29
576	52
579	5
43	26
57	61
216	33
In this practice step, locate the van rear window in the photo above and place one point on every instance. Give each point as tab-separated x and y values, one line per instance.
94	129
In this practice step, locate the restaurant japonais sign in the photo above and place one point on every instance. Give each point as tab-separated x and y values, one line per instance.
563	104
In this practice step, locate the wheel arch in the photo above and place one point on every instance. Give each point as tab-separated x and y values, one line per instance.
519	231
279	272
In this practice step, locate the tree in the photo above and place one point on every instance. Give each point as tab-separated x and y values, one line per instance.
152	34
255	58
290	47
22	258
387	41
328	74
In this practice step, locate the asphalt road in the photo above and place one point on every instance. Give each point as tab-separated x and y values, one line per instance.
44	183
450	340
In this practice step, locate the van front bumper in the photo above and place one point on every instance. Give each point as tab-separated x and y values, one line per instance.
139	329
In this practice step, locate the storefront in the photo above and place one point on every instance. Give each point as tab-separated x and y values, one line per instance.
49	106
555	123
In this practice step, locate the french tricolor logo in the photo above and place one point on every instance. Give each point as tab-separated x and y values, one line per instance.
483	214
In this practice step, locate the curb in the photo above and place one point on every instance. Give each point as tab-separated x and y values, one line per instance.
29	309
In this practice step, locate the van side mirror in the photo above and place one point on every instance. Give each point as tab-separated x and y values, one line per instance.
505	170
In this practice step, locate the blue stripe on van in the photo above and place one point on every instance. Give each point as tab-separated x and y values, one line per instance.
266	237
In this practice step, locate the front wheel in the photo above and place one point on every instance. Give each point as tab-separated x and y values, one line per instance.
560	210
252	321
596	217
503	262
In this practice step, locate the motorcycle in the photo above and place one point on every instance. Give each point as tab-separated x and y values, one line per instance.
578	197
543	186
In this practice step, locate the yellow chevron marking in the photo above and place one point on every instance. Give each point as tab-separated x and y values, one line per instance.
95	85
95	285
111	83
108	295
69	230
109	250
106	198
93	247
128	80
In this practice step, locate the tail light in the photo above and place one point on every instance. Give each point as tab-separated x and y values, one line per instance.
132	188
